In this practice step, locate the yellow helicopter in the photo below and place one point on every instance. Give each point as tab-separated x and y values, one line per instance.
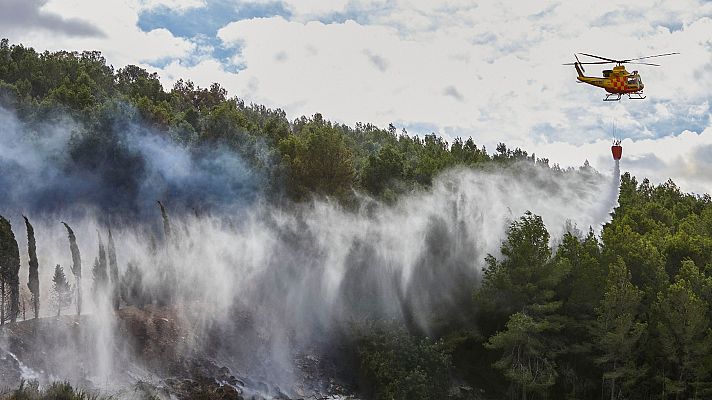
616	81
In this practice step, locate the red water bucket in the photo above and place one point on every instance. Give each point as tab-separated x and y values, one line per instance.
617	151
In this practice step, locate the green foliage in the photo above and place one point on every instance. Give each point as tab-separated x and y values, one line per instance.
618	331
318	161
525	274
55	391
48	85
382	170
604	316
684	335
527	359
395	365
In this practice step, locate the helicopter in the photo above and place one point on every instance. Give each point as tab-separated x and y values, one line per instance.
616	81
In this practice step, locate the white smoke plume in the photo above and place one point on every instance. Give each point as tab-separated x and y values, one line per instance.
274	280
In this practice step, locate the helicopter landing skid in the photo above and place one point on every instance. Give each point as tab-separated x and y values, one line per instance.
617	96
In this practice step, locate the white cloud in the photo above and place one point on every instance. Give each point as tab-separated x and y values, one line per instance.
180	5
122	43
498	58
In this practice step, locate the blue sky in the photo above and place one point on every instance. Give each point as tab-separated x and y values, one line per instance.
488	69
201	24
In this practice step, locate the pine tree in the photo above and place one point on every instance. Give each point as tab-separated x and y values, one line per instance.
683	328
527	361
33	282
618	330
61	289
524	275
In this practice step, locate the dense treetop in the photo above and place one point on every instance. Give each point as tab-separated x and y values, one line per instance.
309	155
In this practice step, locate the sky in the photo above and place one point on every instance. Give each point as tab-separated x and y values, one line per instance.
490	70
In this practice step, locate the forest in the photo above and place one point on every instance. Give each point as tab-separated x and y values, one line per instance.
621	312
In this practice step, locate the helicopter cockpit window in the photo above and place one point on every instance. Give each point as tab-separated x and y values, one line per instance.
633	80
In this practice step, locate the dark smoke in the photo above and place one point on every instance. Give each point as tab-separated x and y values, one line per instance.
116	165
33	282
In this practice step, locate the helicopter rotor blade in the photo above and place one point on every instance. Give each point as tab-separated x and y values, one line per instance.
657	55
642	63
590	63
600	58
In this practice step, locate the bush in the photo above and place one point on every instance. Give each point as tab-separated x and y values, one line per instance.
55	391
395	365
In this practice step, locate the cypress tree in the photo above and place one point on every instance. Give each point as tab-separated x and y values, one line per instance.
9	270
166	221
113	272
33	282
99	272
76	265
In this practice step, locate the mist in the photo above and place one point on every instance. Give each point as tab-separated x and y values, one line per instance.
257	282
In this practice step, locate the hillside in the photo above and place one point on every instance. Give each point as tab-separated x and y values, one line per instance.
290	259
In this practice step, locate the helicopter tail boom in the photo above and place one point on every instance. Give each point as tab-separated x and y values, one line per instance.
578	70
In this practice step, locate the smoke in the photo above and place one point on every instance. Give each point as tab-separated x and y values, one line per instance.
117	166
257	283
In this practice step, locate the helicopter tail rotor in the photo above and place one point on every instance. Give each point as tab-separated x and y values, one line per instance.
579	67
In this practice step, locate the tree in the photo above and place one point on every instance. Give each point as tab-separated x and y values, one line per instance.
61	290
382	169
683	326
581	291
395	365
132	290
76	265
33	282
523	276
99	271
317	161
526	361
9	271
166	222
113	272
617	330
